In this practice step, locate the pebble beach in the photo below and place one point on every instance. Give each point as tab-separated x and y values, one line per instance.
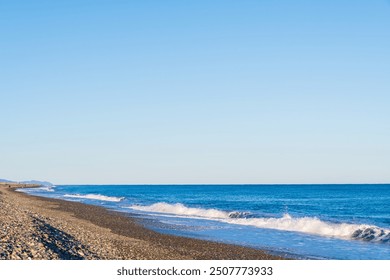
35	228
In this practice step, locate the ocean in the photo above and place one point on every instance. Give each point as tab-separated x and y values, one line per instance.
299	221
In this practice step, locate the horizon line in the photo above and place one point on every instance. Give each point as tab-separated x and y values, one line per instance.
218	184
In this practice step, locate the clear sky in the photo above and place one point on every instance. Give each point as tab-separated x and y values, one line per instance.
216	91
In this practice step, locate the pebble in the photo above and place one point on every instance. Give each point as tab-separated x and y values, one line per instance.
27	235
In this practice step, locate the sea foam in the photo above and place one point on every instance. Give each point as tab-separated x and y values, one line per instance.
308	225
39	189
46	188
95	197
180	209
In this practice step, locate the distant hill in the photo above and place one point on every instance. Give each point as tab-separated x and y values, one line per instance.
35	182
32	182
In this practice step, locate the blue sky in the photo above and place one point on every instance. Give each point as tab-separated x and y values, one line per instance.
266	91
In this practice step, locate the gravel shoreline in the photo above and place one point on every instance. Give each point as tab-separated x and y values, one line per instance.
51	229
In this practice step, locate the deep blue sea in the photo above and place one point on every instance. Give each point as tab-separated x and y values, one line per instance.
302	221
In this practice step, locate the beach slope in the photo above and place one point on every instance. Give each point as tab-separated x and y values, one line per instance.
41	228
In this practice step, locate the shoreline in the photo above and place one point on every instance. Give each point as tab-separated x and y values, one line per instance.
33	227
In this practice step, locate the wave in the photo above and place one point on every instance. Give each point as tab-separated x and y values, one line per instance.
180	209
313	225
308	225
96	197
46	188
32	190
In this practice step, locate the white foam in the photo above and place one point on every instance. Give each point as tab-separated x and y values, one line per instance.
308	225
95	197
46	188
180	209
31	190
305	225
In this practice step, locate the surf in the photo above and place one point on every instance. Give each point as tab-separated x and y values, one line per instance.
95	197
307	225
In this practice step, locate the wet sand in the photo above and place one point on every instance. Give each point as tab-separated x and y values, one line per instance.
42	228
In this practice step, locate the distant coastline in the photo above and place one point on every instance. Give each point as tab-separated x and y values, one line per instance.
18	185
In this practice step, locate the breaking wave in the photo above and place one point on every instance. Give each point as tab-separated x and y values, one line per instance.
95	197
39	189
308	225
180	209
46	188
313	225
